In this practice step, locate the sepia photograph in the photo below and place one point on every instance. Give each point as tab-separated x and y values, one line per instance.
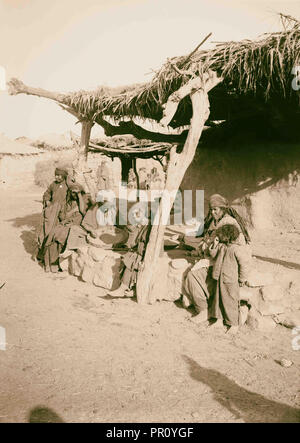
150	214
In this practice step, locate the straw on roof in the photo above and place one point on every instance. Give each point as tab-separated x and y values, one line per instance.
262	68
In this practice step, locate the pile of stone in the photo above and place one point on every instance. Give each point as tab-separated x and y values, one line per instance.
95	263
269	303
264	302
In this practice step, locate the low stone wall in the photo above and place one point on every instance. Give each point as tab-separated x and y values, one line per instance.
264	302
267	300
96	266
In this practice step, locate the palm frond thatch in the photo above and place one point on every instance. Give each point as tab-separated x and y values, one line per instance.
262	68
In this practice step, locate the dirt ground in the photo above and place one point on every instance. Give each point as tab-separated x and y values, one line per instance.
74	356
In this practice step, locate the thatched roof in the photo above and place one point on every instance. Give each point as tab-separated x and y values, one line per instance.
260	69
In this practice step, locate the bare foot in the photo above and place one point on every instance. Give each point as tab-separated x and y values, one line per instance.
128	293
117	293
200	318
185	302
232	330
218	324
65	254
120	292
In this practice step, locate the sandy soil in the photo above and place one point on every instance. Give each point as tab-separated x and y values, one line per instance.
74	356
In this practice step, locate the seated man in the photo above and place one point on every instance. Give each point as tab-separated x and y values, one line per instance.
102	213
69	233
138	235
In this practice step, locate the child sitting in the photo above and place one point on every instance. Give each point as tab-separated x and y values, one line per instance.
229	271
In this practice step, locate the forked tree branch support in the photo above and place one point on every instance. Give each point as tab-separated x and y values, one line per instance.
177	167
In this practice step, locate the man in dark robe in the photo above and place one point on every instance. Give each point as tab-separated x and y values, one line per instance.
65	205
53	200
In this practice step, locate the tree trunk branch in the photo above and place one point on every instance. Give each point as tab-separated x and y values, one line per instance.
209	80
177	167
15	87
137	131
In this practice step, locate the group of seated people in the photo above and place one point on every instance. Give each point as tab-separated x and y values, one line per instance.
69	215
211	286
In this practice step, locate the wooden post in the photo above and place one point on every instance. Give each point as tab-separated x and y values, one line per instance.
86	127
137	178
198	89
81	172
177	167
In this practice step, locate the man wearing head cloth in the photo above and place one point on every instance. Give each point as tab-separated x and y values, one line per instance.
54	199
221	213
216	200
57	191
138	231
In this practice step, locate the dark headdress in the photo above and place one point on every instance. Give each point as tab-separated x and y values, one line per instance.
61	171
216	200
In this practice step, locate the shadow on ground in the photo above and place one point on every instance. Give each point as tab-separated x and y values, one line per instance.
276	261
41	414
243	404
28	236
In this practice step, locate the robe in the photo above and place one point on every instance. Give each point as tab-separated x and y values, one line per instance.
60	227
230	268
199	285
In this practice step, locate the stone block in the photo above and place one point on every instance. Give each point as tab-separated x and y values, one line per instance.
64	263
176	272
88	274
83	250
97	254
107	273
244	311
256	321
76	265
162	287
